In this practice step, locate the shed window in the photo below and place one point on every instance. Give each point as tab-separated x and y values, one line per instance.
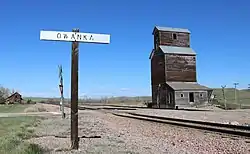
174	36
182	95
201	95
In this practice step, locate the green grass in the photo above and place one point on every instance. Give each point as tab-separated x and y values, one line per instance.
13	108
243	98
13	132
35	99
243	95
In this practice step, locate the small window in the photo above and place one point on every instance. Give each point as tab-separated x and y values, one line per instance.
182	95
201	95
174	36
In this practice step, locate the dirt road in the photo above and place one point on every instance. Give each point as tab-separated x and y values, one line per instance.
29	114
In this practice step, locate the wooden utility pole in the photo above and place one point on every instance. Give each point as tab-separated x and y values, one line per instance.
224	97
74	93
235	93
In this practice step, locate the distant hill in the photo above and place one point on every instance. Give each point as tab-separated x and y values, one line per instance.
243	97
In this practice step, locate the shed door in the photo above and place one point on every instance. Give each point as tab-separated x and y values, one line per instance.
170	98
191	97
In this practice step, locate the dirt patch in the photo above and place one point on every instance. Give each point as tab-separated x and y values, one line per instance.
39	107
35	108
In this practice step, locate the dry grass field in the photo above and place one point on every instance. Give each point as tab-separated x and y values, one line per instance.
15	130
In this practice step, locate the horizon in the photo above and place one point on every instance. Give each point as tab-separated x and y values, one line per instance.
110	97
121	68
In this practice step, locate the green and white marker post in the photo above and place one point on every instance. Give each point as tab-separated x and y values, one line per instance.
61	91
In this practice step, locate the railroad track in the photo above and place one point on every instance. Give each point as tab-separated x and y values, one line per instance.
121	107
137	107
238	130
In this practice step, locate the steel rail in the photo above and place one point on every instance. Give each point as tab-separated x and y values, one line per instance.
240	127
202	126
238	130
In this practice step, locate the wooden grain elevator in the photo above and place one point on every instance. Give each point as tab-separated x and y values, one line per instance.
173	70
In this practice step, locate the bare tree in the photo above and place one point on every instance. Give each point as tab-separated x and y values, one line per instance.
4	93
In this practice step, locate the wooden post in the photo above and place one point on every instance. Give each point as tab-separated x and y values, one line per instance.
75	37
235	94
74	94
61	91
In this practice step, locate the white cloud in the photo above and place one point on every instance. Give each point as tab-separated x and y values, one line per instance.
124	89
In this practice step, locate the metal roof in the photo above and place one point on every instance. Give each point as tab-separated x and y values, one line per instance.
187	86
177	50
171	29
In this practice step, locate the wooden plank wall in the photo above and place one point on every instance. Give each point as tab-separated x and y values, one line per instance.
180	68
166	38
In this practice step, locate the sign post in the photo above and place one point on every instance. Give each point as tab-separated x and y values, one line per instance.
74	94
75	37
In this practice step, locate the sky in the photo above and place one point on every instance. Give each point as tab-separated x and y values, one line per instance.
219	35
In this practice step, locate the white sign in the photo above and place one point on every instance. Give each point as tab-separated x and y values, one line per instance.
74	36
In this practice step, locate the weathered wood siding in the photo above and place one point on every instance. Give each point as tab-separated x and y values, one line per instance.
158	69
157	73
165	101
14	98
180	68
162	94
154	95
182	98
170	97
156	40
166	38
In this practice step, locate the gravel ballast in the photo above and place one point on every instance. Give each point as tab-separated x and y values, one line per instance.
237	116
124	135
